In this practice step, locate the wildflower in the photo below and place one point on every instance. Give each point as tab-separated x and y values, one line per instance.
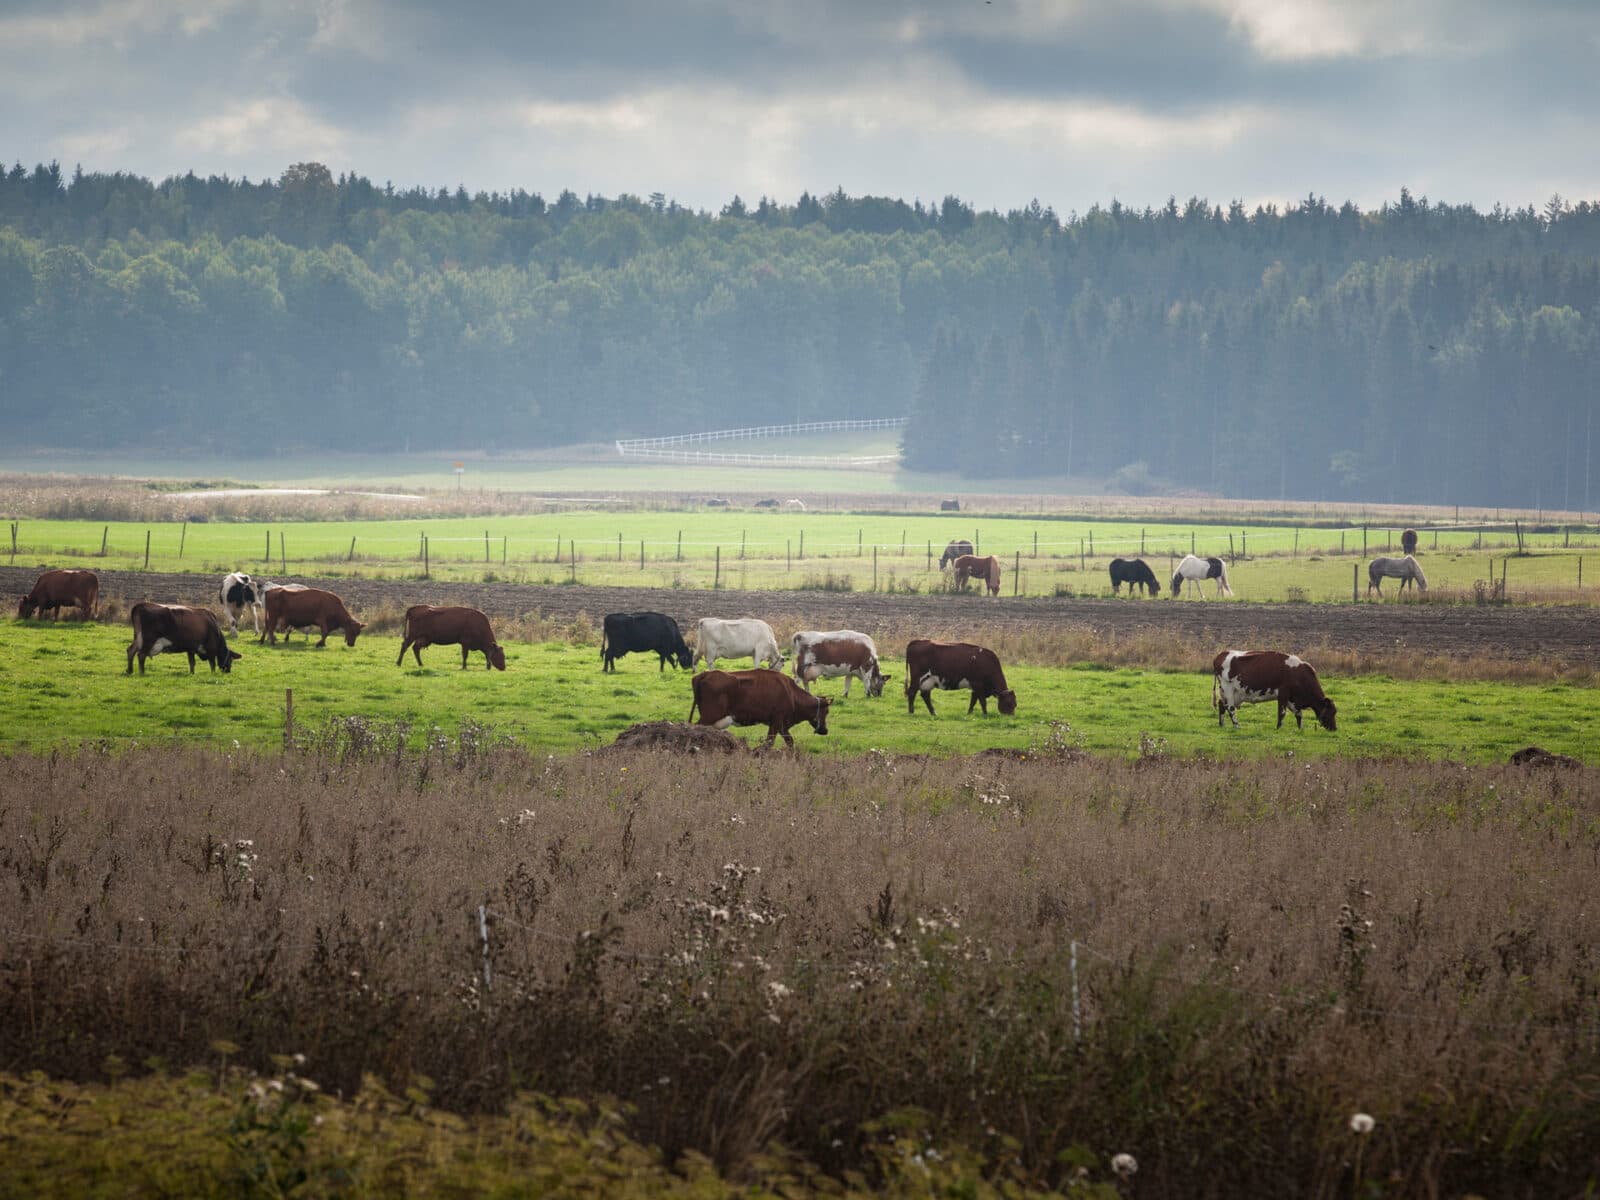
777	990
1124	1165
1361	1123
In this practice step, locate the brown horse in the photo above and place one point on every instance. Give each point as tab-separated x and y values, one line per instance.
1408	542
969	566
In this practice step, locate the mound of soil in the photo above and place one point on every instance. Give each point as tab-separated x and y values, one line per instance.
677	737
1538	756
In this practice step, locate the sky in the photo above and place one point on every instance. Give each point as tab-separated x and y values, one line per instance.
1000	102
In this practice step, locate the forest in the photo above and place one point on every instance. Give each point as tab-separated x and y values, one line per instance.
1419	351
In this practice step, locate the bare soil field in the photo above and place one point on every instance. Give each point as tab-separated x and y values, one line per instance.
1567	635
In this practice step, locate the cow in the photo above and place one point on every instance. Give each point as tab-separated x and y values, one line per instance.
1134	572
178	629
716	638
795	505
954	551
59	589
954	665
769	503
468	628
238	592
949	506
1408	541
308	608
645	632
837	652
1254	676
970	566
757	697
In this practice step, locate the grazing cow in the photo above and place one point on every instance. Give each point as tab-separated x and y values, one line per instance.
240	591
766	504
716	502
716	638
454	626
837	652
178	629
796	505
1408	541
954	551
951	666
1406	570
949	506
969	566
1196	571
308	608
757	697
1254	676
1134	572
55	590
647	632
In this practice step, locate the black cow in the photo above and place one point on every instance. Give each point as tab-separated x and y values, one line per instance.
1134	572
645	632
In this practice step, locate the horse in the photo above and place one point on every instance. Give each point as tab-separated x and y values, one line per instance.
1196	571
971	567
1408	541
952	552
1406	570
1134	572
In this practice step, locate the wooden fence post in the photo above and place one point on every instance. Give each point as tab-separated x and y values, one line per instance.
485	545
1580	572
1141	543
802	545
283	555
1244	544
1191	541
930	556
641	554
1091	543
1036	543
104	534
351	556
1231	556
146	550
288	718
504	548
1297	541
680	545
716	580
183	538
619	547
572	549
1363	541
558	548
859	552
426	574
1341	541
267	558
1016	572
1355	583
874	568
742	534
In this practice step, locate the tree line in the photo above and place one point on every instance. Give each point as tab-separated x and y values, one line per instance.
1418	351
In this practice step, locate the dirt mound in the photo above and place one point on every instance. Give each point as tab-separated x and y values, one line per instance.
678	738
1538	756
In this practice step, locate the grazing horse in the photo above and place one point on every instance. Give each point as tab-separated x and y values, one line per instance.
1134	572
1408	541
952	552
1195	571
1406	570
987	569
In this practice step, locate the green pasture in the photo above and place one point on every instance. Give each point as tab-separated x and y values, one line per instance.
747	549
64	684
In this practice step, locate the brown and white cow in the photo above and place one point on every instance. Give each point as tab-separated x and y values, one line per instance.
298	607
454	626
1257	676
987	569
178	629
951	666
55	590
837	652
757	697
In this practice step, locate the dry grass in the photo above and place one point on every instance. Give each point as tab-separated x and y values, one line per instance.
762	948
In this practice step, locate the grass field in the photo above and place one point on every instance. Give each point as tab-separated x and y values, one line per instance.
66	684
835	551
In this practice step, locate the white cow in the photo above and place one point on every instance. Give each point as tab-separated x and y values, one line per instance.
241	591
746	636
837	652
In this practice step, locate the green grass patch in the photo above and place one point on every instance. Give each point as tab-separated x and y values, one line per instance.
66	683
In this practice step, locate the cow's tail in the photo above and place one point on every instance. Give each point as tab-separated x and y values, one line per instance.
1223	578
1216	690
602	643
694	690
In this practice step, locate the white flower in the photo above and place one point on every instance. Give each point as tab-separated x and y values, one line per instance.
1361	1123
777	990
1124	1165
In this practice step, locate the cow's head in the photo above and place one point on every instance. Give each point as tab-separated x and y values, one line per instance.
1007	701
497	657
226	657
351	629
819	719
1326	712
875	681
26	609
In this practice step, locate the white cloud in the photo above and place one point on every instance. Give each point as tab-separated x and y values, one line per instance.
277	129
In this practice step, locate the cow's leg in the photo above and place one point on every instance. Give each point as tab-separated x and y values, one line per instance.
927	699
1233	715
142	657
191	661
788	738
323	640
464	657
405	644
132	649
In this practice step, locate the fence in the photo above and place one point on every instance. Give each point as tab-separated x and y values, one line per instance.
662	448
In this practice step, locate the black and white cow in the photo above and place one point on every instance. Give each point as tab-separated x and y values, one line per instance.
240	591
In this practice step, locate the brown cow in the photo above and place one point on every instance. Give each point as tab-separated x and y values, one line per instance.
178	629
1254	676
838	652
54	590
305	608
954	665
970	566
757	697
455	626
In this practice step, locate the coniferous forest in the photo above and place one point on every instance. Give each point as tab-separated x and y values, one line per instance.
1421	351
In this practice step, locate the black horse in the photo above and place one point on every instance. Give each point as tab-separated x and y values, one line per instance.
952	552
1133	572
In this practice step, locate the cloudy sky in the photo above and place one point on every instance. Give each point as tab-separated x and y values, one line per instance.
1072	102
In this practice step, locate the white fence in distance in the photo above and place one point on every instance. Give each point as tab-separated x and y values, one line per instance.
666	449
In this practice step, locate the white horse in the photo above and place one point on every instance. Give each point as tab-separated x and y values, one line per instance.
1195	571
1406	570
